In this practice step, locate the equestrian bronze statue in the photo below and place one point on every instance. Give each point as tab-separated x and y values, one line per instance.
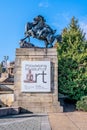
40	30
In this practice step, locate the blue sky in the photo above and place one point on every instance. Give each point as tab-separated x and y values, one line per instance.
14	14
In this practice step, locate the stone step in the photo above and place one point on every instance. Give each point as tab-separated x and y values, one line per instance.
42	109
9	111
37	107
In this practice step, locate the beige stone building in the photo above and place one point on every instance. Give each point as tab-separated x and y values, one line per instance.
7	86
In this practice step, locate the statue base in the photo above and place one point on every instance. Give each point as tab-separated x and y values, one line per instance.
44	98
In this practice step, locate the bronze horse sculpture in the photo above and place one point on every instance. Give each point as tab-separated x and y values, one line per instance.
40	30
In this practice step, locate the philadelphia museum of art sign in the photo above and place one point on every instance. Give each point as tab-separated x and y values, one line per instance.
35	76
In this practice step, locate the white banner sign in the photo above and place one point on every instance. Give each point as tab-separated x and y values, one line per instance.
35	76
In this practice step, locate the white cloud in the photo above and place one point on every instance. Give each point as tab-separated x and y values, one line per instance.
61	20
64	15
55	24
83	26
43	4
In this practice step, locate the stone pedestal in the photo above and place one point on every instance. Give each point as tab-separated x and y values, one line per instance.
37	101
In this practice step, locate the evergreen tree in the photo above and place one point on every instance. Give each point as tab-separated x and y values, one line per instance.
72	55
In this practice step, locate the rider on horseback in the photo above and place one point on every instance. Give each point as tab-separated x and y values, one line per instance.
40	30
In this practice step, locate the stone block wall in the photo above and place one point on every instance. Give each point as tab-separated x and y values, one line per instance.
6	99
37	101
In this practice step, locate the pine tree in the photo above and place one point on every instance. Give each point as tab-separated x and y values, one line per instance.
72	55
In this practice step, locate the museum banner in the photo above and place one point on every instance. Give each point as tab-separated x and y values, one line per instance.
35	76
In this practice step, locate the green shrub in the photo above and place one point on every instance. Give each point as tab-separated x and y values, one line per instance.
82	104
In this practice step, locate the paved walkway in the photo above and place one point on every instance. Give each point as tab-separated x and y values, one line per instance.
25	122
68	121
52	121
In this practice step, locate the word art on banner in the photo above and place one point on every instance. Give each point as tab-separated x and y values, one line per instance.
35	76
